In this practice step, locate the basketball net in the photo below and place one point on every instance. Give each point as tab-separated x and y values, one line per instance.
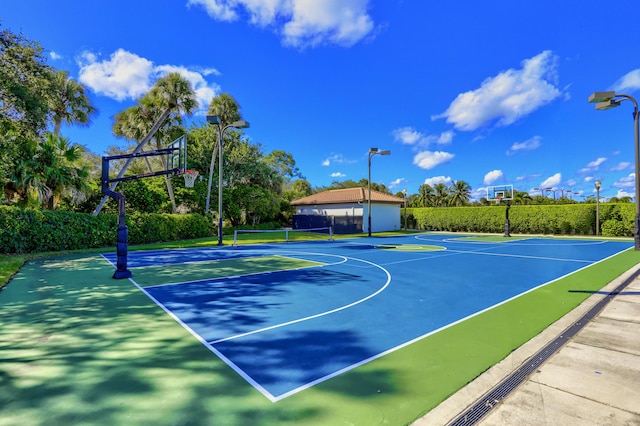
190	178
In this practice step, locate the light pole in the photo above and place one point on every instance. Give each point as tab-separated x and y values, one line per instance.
541	191
598	185
608	100
554	192
215	120
372	152
404	192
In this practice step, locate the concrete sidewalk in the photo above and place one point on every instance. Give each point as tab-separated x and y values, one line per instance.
592	380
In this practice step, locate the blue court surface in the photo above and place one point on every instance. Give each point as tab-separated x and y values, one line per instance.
286	330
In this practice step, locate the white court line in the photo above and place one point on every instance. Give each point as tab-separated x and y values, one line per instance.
344	260
332	311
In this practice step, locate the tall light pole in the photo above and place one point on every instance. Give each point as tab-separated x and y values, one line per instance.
404	192
611	99
598	185
215	120
372	152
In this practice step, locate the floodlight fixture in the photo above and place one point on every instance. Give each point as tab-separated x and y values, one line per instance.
597	97
611	103
372	152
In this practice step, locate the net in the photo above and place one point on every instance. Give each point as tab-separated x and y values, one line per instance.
248	236
190	178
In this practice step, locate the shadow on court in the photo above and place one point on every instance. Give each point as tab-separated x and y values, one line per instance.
79	347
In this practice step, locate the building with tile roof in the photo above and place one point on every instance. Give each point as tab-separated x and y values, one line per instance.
347	210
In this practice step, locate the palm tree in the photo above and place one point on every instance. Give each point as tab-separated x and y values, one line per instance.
459	193
425	195
441	196
68	102
522	197
169	98
55	169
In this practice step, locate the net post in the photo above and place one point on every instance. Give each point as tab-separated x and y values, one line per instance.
331	233
286	235
235	237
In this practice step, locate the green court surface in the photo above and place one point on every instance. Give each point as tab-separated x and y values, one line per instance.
78	347
164	274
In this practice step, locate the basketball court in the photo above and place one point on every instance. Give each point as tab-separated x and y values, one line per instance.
287	317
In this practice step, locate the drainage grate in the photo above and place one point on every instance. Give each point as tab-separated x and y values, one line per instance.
492	398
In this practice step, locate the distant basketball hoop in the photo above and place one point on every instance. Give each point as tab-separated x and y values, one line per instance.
190	177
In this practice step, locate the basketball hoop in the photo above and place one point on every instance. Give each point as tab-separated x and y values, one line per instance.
190	178
498	199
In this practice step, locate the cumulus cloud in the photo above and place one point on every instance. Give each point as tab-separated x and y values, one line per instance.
54	55
628	82
507	97
438	179
337	175
125	75
430	159
492	177
410	136
593	165
552	181
528	145
300	23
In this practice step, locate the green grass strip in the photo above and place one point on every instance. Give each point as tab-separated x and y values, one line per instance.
196	271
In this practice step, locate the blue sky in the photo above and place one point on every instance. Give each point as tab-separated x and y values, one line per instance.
490	92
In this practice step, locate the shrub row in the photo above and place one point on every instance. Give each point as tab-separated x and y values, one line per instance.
616	220
30	231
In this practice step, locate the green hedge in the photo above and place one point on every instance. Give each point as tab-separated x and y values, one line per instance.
31	231
616	220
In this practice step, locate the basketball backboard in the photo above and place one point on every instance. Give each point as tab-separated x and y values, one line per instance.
500	193
177	157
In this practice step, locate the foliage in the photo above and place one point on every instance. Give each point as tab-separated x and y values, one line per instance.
30	231
527	219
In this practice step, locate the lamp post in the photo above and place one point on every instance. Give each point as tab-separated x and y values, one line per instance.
598	185
372	152
541	191
611	99
404	192
215	120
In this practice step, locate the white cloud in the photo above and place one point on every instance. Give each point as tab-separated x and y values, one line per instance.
508	96
622	193
528	145
629	81
407	135
301	23
627	182
54	55
528	177
410	136
125	75
438	179
552	181
430	159
397	182
336	159
593	165
624	165
337	175
589	179
492	177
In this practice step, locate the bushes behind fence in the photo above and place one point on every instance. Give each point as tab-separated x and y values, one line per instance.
30	231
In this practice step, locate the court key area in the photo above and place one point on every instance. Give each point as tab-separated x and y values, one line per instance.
291	315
